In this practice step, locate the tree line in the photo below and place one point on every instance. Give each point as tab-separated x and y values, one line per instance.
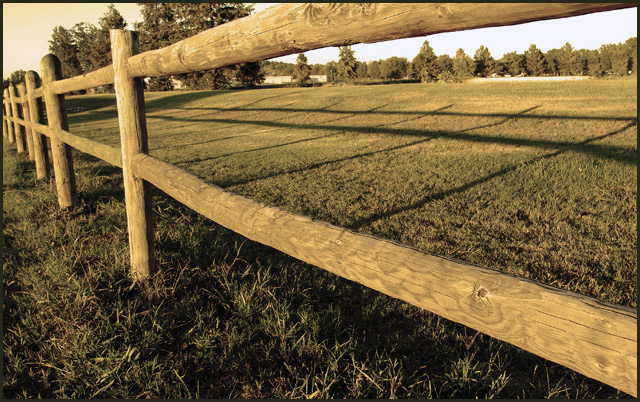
609	60
84	48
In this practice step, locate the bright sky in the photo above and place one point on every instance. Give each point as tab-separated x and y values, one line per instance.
27	28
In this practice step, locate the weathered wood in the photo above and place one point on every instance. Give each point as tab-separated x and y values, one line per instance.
594	338
133	140
93	79
38	93
57	118
36	108
5	120
290	28
17	128
105	152
26	115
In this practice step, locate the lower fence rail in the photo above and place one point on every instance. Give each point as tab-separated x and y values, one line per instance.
594	338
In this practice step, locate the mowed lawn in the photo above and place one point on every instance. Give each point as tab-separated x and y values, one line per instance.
535	179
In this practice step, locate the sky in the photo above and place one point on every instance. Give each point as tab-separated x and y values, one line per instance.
27	28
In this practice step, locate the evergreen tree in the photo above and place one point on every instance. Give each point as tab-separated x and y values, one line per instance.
513	63
551	58
631	47
463	65
347	65
302	71
445	63
568	63
485	64
425	66
63	45
535	64
17	76
167	23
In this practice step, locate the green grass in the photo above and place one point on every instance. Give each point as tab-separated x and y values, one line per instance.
536	179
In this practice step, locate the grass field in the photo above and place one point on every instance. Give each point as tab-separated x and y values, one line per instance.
535	179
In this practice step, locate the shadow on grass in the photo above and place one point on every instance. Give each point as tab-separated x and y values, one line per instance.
482	180
619	154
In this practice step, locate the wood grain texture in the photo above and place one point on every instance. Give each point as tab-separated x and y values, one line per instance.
133	140
38	92
7	127
290	28
57	118
36	109
93	79
26	115
594	338
105	152
18	129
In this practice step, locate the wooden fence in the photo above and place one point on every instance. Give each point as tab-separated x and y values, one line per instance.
592	337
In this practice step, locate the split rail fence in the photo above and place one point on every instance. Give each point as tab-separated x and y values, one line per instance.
592	337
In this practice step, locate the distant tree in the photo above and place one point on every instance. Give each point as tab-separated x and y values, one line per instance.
331	71
513	63
445	63
589	62
63	45
100	49
362	71
463	65
159	84
302	71
535	64
85	35
248	74
317	69
425	66
166	23
568	63
17	76
373	69
631	47
347	64
393	68
485	64
551	58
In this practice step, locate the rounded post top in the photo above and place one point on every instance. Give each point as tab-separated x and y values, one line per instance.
51	67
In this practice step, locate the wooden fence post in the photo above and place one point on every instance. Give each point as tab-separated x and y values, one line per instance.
26	116
36	116
5	123
9	112
17	128
133	140
57	117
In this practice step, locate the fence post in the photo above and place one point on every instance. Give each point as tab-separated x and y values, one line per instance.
57	117
17	128
35	113
26	116
5	123
133	140
7	110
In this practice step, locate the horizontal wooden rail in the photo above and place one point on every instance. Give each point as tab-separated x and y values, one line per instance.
93	79
38	93
102	151
594	338
105	152
291	28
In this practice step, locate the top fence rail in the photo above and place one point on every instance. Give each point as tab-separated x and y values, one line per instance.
291	28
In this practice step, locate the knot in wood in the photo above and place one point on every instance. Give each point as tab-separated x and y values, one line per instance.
481	292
